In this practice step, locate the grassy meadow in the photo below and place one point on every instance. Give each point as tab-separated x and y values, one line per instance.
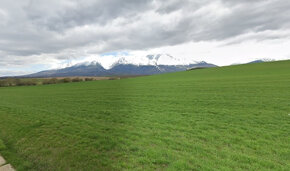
228	118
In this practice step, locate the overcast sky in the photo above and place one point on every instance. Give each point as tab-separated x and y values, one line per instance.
42	34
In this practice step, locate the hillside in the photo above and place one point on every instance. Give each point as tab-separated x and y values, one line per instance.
227	118
95	69
125	66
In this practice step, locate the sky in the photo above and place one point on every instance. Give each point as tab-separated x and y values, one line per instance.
37	35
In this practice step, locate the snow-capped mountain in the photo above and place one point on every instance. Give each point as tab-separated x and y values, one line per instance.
126	65
109	62
262	60
157	59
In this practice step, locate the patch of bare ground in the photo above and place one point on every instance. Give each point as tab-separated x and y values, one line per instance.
4	166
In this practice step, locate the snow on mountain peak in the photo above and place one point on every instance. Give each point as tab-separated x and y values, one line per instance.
267	59
153	59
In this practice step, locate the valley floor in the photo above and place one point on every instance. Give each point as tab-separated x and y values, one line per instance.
229	118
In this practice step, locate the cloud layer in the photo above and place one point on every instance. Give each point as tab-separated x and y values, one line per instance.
47	32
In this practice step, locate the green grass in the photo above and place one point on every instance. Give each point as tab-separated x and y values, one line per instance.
230	118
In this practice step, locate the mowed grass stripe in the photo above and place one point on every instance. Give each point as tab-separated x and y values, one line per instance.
229	118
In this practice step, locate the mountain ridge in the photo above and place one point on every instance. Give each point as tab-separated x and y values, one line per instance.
123	67
97	69
126	65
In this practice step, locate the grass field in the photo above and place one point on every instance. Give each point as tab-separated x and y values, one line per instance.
229	118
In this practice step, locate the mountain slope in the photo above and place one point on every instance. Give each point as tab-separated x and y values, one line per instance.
94	69
119	68
261	61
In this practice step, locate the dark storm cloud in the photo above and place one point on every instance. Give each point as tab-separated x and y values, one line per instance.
33	29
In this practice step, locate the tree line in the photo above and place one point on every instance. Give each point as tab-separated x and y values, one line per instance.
32	82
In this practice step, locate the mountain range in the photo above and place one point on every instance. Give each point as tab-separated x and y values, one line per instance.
126	66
